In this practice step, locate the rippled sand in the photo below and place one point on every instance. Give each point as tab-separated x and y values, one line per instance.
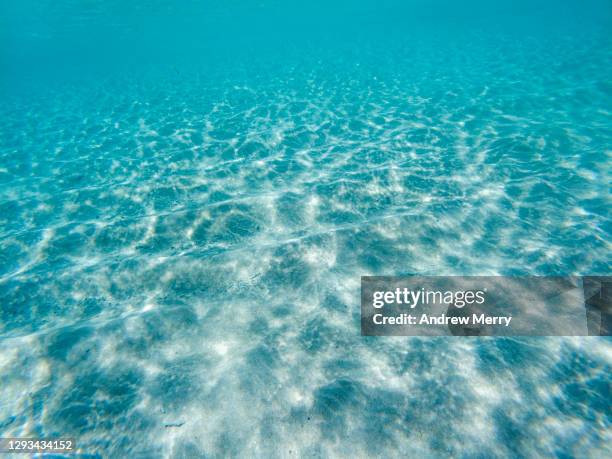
180	257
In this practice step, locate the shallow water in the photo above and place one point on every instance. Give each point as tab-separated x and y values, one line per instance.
190	193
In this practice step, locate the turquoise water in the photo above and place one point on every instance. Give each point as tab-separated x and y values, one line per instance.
190	192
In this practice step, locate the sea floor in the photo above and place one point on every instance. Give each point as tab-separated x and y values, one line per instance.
180	255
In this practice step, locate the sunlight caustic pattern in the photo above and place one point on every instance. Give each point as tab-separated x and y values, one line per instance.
180	260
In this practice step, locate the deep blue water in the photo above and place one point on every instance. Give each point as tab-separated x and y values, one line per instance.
191	190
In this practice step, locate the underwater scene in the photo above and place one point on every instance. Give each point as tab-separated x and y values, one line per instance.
191	190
